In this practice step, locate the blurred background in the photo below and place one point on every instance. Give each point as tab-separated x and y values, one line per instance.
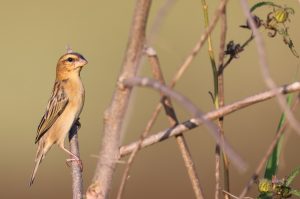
33	35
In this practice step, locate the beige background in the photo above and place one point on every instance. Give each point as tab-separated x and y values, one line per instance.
33	35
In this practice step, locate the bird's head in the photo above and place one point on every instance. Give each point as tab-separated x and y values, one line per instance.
70	63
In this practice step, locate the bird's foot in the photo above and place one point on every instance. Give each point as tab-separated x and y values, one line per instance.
76	160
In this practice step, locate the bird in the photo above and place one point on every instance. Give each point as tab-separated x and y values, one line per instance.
63	109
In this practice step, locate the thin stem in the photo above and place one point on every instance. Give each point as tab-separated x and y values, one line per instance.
134	152
77	183
198	45
221	69
115	114
190	107
220	104
216	92
171	114
195	122
177	76
210	50
265	69
269	151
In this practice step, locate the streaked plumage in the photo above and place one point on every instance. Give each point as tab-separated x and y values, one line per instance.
63	109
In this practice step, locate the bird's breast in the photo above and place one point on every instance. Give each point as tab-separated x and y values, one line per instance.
75	93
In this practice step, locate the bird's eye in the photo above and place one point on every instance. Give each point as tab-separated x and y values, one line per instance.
70	59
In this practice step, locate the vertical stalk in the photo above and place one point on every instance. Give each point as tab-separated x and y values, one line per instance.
218	97
77	182
221	98
115	115
211	53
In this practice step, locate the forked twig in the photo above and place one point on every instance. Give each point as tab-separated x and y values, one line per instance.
190	107
170	112
177	76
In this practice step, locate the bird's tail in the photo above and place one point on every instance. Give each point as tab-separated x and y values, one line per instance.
38	160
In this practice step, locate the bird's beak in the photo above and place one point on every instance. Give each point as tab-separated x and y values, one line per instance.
82	62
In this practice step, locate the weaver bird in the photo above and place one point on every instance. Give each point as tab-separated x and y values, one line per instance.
63	108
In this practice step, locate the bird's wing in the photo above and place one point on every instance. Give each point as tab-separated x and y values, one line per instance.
55	108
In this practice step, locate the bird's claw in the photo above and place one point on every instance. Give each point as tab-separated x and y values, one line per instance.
78	161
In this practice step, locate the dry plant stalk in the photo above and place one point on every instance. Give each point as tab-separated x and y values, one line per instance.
170	113
115	114
193	110
177	76
77	182
221	102
199	44
195	122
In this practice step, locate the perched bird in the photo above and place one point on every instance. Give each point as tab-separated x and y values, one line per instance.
63	108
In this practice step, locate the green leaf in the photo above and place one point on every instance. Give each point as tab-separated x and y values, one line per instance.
273	161
295	192
265	196
263	3
292	176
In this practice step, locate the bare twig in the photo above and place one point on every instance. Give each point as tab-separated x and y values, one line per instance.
115	114
220	104
197	47
190	107
177	76
77	182
199	44
217	171
195	122
265	69
135	150
170	112
166	102
267	154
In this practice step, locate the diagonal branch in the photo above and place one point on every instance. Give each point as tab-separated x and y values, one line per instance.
199	44
115	114
195	122
170	113
190	107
